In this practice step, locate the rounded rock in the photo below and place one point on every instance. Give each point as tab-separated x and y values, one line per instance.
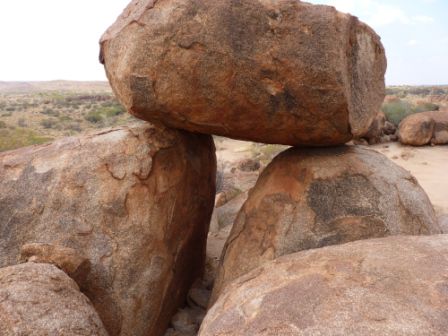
310	198
40	299
394	286
284	72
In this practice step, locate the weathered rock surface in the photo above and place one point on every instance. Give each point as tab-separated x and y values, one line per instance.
376	129
380	131
67	259
416	130
309	198
424	128
39	299
284	72
395	286
136	201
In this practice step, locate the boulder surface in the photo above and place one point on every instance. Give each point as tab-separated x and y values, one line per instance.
135	201
310	198
284	72
40	299
424	128
394	286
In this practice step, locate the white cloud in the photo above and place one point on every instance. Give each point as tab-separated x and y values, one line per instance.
412	43
423	19
378	13
383	15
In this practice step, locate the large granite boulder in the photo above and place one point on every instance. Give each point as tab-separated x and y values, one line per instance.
40	299
135	201
284	72
424	128
309	198
395	286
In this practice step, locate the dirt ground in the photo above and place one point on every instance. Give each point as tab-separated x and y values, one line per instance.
428	164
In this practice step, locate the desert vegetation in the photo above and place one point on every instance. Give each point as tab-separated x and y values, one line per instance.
41	112
402	101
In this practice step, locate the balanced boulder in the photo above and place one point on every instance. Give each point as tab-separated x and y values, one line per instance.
40	299
395	286
284	72
424	128
135	201
310	198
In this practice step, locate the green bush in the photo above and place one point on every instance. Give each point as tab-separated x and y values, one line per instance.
20	137
48	123
398	109
425	106
94	117
50	112
103	113
73	126
3	124
113	111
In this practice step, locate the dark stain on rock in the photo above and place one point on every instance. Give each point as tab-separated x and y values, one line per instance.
346	196
143	93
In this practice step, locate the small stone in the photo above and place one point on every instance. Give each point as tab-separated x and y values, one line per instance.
199	297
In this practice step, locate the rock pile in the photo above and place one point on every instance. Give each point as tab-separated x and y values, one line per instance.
135	201
310	198
125	212
381	130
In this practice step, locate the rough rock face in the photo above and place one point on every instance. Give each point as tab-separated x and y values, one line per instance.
69	260
423	128
136	201
376	129
309	198
416	130
282	72
39	299
395	286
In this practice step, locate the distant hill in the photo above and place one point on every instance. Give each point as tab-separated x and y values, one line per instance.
59	85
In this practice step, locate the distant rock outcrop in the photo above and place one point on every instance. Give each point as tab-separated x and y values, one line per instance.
284	72
390	286
381	130
39	299
424	128
135	201
310	198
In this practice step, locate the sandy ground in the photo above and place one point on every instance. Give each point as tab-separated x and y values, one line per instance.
231	151
428	164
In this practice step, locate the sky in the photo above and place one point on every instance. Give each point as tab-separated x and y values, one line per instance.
58	39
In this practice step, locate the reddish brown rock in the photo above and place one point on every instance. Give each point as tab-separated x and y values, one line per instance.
376	129
424	128
136	201
440	136
284	72
395	286
69	260
39	299
416	130
309	198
